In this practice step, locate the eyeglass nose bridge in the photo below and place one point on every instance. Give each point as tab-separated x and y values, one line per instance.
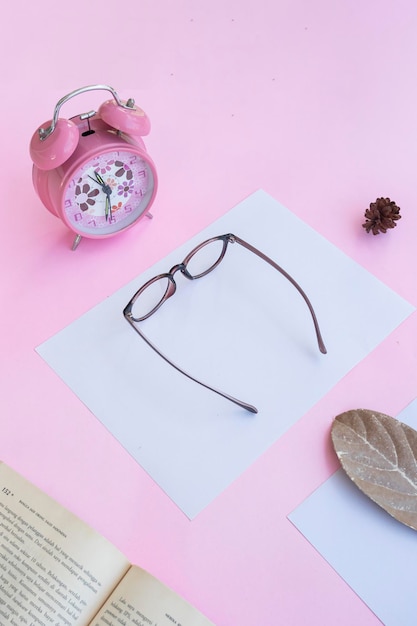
180	267
172	285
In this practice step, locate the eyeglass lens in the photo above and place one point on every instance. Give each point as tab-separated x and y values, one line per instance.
150	297
205	257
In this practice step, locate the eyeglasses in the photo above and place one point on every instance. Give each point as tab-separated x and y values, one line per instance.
198	263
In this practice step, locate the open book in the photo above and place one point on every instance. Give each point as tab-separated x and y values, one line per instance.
57	571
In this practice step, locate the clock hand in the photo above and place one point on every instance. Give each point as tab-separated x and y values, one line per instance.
107	208
99	179
107	190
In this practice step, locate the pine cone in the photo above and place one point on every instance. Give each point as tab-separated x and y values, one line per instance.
381	215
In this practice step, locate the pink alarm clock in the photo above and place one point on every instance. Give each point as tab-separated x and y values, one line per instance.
92	171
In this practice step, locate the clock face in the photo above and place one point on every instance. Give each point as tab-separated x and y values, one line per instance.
108	193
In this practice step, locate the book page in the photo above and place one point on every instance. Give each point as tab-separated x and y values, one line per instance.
54	569
142	600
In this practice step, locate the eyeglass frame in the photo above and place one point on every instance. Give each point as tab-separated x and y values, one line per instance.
171	290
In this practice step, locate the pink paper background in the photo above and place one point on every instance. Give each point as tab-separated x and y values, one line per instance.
315	102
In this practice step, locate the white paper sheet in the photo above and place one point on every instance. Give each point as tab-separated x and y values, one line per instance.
244	329
374	553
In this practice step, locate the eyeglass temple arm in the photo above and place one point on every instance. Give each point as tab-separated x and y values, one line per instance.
244	405
263	256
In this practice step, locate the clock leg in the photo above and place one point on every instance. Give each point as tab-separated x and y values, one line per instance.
76	242
149	215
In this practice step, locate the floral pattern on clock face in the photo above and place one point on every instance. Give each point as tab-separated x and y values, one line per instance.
108	192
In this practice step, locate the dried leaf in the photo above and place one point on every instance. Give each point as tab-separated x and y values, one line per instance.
379	453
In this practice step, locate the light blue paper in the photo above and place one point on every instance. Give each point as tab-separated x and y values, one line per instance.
374	553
